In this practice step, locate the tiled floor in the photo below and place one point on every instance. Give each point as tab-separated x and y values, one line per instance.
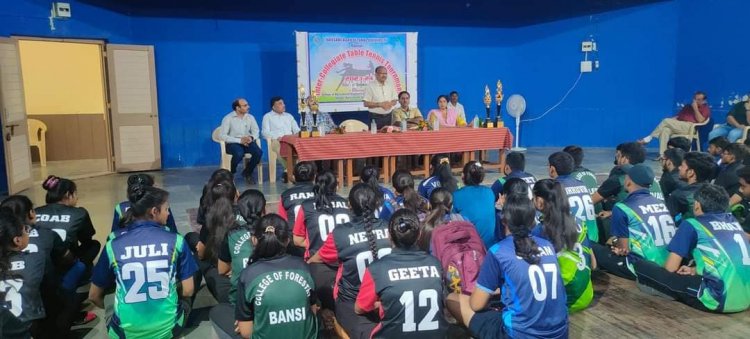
99	194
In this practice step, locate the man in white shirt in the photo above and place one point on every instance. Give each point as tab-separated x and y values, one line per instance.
455	105
239	132
380	98
276	124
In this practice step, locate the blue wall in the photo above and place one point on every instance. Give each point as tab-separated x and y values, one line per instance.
713	51
202	64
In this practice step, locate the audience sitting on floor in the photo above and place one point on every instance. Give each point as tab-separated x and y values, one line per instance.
328	265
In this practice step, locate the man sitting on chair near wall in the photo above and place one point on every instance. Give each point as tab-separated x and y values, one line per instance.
276	124
695	113
239	132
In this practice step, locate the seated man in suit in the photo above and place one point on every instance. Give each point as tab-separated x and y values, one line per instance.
697	112
239	130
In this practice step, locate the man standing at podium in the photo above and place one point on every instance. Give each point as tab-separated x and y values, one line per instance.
380	98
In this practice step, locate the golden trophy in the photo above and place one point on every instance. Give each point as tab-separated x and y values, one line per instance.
487	101
498	101
314	111
303	132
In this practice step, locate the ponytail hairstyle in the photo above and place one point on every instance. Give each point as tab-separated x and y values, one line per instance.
272	235
404	228
10	229
220	217
144	199
403	183
304	171
558	224
57	189
473	173
325	188
518	217
441	168
441	202
252	207
370	175
364	202
219	175
140	179
21	206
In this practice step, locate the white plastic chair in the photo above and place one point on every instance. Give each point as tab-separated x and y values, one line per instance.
694	133
353	125
37	137
226	159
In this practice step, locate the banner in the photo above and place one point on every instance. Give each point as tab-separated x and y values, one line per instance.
338	66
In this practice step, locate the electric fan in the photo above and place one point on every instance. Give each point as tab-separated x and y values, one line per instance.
516	106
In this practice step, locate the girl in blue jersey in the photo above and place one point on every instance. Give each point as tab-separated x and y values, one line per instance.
371	176
407	196
511	186
140	179
523	269
476	202
152	270
440	176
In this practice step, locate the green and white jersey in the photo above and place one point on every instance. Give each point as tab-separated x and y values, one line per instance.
236	250
146	262
645	221
587	177
721	251
575	268
276	294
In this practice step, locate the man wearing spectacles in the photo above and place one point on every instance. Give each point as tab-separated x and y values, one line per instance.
380	98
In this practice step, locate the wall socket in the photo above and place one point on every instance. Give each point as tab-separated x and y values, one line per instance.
62	9
586	66
587	46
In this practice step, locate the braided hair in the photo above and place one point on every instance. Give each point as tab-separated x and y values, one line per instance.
251	206
370	175
518	217
403	183
364	202
441	202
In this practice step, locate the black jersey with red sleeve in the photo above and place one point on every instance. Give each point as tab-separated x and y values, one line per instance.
348	247
316	224
292	199
409	285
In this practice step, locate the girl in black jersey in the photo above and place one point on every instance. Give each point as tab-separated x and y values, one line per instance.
354	246
407	284
407	196
47	251
15	292
315	221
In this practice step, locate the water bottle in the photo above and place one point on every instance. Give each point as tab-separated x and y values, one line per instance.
437	125
373	127
403	125
475	122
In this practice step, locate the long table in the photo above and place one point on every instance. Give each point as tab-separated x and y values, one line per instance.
344	148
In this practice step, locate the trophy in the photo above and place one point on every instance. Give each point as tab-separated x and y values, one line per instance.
303	132
314	111
487	100
498	101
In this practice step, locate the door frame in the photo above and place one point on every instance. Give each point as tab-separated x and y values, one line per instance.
105	87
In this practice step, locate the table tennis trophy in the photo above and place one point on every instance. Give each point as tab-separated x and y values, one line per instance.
314	111
487	101
498	101
303	132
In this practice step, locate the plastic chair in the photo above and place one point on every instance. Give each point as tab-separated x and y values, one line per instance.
353	125
37	132
226	159
694	133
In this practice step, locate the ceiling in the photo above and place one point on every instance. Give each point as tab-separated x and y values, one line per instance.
488	13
